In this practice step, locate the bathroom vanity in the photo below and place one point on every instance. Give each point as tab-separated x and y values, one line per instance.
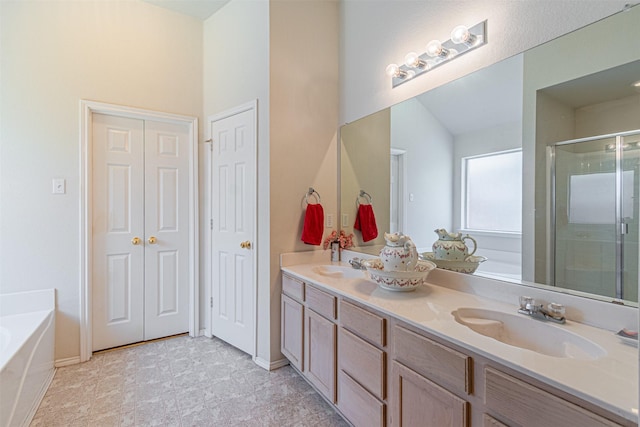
402	359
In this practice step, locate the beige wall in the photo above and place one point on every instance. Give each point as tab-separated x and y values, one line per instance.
365	165
54	54
304	40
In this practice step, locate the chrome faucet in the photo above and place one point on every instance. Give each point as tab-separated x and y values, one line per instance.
553	312
357	264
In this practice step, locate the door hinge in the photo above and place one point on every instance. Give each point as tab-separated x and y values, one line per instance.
211	223
211	302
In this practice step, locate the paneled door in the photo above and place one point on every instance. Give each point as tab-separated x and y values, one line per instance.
140	193
233	218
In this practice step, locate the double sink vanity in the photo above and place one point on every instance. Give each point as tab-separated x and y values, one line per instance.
446	356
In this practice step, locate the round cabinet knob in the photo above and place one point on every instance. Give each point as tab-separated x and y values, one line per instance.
152	240
135	241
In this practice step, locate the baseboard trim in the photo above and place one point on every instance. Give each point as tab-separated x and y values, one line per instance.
270	366
59	363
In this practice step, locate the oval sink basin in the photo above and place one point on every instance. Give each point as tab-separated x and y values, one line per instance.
530	334
339	272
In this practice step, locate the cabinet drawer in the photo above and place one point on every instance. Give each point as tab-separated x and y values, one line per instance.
525	404
321	302
293	287
363	362
442	364
358	405
364	324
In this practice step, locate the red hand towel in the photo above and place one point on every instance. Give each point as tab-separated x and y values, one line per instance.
313	225
366	222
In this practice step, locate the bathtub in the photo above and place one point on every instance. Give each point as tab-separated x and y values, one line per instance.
27	329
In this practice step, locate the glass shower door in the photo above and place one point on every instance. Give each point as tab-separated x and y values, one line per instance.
595	216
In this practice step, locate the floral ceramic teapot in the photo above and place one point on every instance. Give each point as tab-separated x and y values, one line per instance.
400	253
451	246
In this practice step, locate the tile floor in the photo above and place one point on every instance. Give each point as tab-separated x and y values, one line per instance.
181	381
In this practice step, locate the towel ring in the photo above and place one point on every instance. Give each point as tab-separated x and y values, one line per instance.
366	196
311	192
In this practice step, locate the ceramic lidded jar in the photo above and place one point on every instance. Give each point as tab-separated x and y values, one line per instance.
451	246
399	254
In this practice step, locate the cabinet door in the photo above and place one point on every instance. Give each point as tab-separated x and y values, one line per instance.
292	331
320	354
416	401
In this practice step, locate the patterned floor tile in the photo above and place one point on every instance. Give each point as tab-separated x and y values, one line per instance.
180	382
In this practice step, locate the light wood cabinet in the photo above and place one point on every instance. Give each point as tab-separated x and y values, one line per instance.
359	406
378	370
444	365
523	404
363	362
320	354
292	331
365	324
293	287
489	421
417	401
362	366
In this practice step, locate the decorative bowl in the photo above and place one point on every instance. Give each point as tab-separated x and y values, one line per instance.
469	265
399	281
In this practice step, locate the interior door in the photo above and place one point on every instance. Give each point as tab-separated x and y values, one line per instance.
166	225
140	189
233	218
118	231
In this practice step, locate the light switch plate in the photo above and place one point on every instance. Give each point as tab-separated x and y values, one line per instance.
59	186
329	220
345	220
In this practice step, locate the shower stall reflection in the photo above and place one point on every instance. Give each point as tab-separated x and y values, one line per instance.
593	236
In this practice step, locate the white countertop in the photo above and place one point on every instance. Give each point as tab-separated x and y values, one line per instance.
610	382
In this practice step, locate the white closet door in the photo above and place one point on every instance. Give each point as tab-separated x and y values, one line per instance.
166	229
140	190
118	218
233	217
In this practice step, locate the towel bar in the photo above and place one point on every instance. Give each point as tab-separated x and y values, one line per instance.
366	196
311	192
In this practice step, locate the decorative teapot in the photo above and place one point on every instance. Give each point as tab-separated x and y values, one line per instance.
451	247
400	253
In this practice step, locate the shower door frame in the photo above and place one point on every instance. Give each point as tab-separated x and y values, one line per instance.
619	224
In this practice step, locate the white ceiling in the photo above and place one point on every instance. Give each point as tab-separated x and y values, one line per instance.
201	9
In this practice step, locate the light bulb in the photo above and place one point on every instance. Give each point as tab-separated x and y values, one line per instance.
410	59
461	34
413	60
435	49
393	70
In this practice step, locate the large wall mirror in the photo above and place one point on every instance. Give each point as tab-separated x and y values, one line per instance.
537	157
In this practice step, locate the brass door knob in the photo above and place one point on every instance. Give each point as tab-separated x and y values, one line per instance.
152	240
245	245
135	241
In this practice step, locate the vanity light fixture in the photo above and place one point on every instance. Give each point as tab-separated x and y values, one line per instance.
462	40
